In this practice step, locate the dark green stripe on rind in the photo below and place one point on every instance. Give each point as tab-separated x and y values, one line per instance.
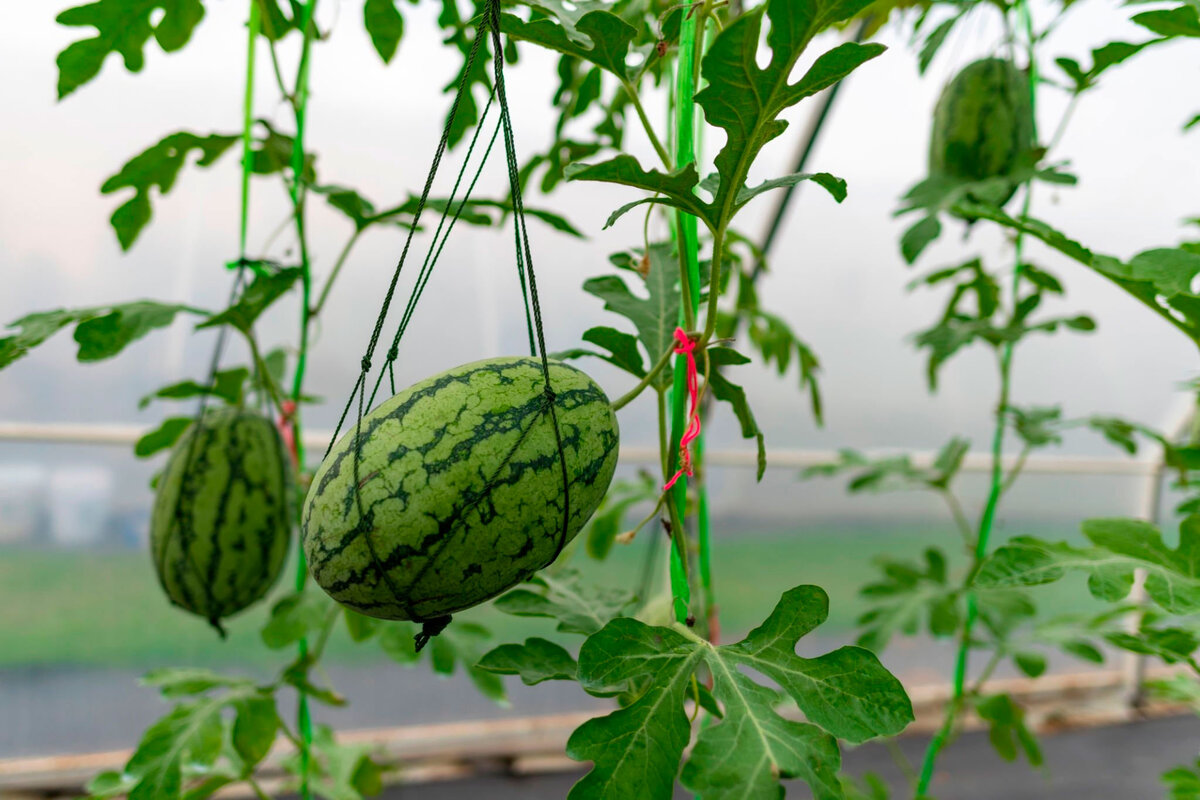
460	488
220	528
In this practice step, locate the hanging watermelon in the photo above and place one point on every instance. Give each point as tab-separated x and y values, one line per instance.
983	123
221	524
458	493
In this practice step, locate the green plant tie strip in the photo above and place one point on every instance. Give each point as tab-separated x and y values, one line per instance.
686	230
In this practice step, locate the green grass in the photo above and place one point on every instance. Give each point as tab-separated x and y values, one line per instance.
63	607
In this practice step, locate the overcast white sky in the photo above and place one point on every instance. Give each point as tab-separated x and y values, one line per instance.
837	275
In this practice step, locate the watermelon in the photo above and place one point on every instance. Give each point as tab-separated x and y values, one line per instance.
222	515
983	123
460	488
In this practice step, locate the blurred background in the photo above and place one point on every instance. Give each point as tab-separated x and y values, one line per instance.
80	612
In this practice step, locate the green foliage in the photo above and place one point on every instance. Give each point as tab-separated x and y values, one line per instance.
294	617
123	27
745	100
228	385
460	644
1119	547
562	595
974	313
101	332
908	593
340	771
636	750
895	473
598	37
265	288
741	98
384	25
609	520
534	661
1007	730
654	316
158	166
161	438
777	342
768	333
1183	782
1160	278
729	392
1103	59
217	733
1183	20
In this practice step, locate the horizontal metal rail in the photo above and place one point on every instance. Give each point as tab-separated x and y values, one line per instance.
317	440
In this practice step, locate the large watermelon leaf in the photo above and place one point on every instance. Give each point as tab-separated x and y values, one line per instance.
124	27
636	749
1119	548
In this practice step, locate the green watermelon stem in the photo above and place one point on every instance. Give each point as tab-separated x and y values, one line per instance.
649	378
998	482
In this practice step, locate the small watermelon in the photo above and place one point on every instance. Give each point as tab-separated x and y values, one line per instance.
983	122
460	488
222	516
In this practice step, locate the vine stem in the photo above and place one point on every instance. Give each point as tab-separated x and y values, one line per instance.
649	377
645	120
333	274
998	485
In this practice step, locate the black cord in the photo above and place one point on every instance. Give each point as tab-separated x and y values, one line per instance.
489	22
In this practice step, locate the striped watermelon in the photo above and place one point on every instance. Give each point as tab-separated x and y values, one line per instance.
460	487
983	122
222	514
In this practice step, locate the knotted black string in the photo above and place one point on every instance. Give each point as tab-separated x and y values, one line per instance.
488	26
